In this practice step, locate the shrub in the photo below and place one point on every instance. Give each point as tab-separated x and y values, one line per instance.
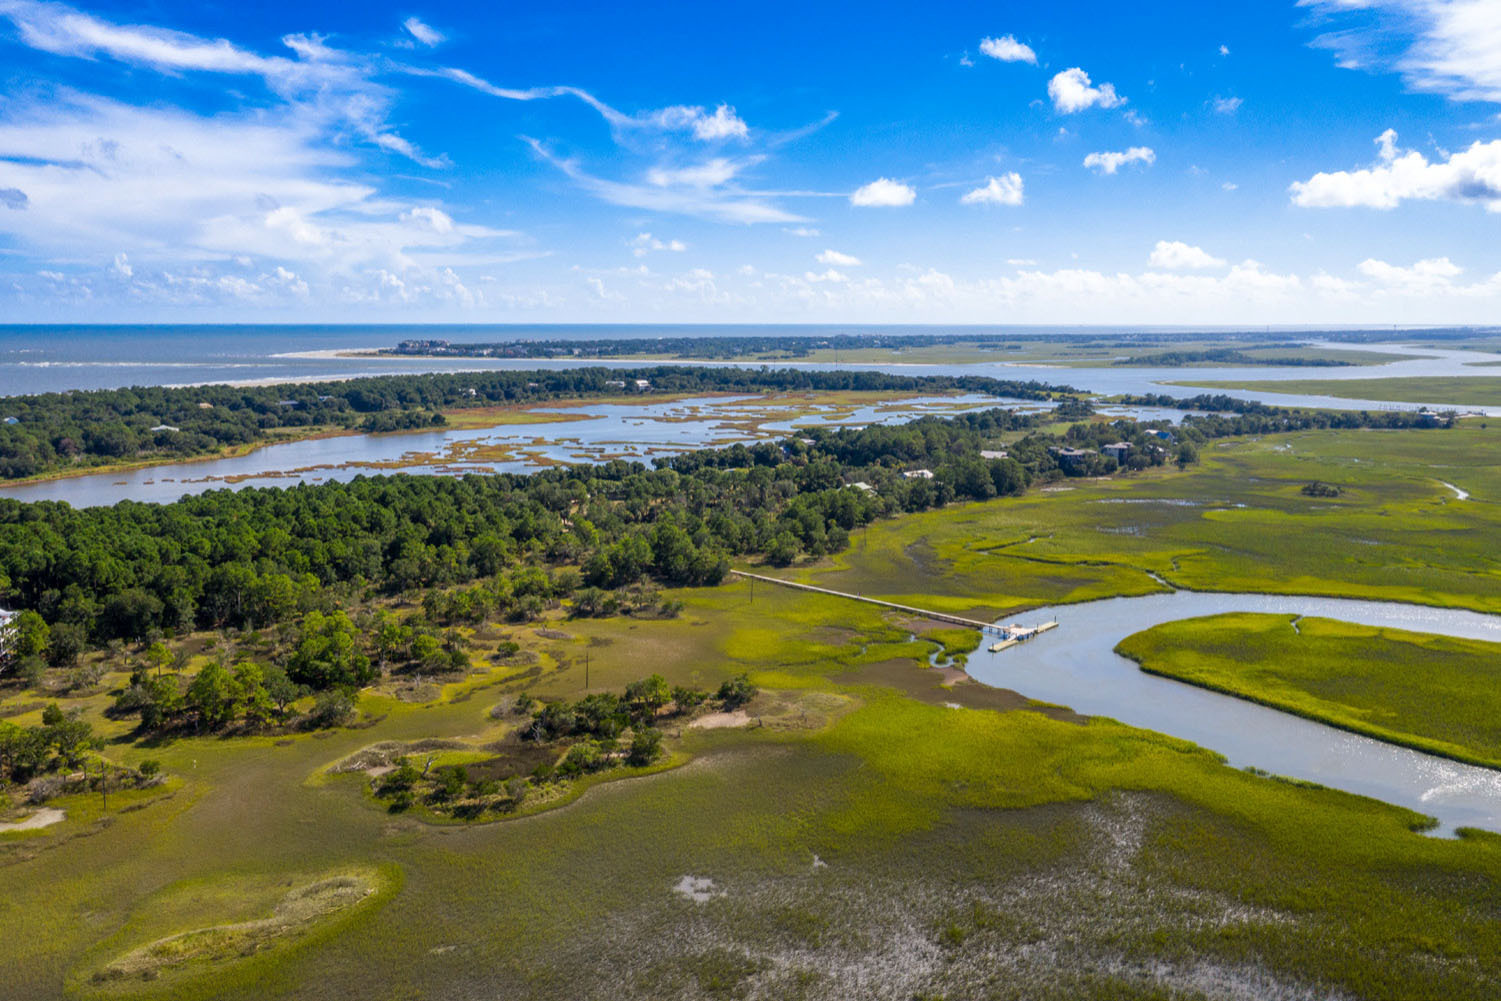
736	692
1320	489
646	747
330	709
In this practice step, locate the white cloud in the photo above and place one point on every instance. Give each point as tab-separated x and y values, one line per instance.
597	286
1003	190
1428	275
1008	50
670	191
837	259
1450	47
883	193
803	231
337	87
1109	163
187	197
828	276
1072	91
1177	256
709	174
423	33
435	219
1229	186
1224	50
1227	105
645	243
1472	175
722	124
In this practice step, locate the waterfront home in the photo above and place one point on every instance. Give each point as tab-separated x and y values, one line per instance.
919	474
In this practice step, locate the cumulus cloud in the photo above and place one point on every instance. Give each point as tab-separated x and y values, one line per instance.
1003	190
1072	91
1175	255
121	267
834	257
1109	163
1426	275
645	243
883	193
1227	105
828	276
1008	50
1472	175
423	33
722	124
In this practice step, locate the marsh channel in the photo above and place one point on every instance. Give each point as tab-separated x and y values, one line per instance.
1076	665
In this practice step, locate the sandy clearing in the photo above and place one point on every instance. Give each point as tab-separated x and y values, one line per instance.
721	721
38	820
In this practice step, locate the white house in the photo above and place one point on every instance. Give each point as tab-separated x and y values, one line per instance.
919	474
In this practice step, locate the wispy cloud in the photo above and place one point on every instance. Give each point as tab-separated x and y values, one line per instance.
836	259
1450	47
719	201
423	33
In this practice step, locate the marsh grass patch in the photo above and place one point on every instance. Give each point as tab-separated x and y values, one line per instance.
304	908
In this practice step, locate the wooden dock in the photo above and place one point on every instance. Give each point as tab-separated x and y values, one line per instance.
984	627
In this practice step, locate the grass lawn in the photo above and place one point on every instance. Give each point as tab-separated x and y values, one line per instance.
1478	390
1434	693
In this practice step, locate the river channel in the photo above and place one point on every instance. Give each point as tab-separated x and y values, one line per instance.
1076	665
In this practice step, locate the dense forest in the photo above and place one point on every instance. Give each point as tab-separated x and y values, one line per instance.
53	431
589	532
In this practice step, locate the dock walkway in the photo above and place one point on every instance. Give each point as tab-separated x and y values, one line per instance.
925	613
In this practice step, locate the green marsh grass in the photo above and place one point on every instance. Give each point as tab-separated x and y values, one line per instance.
1437	694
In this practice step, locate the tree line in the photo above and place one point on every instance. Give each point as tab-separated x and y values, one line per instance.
508	544
47	432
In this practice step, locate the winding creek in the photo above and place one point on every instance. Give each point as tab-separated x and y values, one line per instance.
1076	665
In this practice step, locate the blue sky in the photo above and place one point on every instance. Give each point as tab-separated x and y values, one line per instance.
1330	161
